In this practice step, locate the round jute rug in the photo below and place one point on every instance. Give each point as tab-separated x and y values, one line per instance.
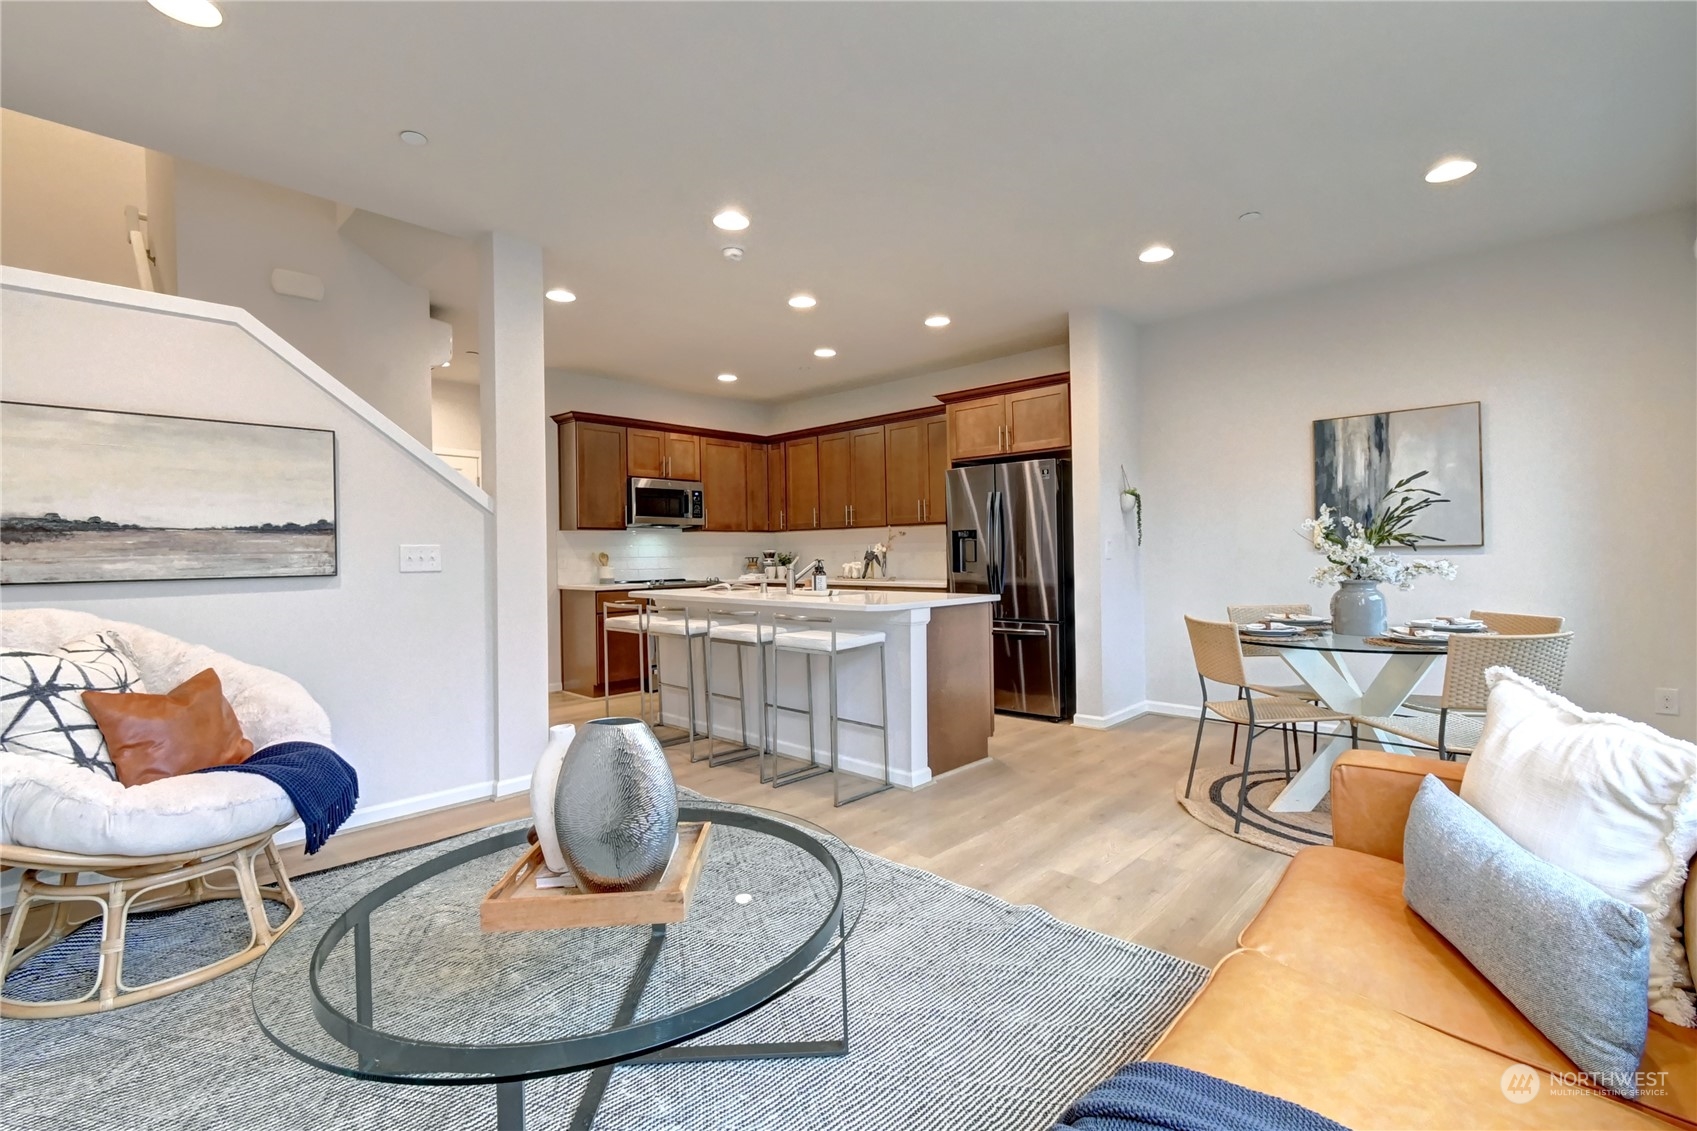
1214	803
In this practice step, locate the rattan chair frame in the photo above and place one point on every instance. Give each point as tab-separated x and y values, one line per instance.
126	885
1219	657
1541	658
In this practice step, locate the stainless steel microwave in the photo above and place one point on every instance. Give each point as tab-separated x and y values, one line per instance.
674	503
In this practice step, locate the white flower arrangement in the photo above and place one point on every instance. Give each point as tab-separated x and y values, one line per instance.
1356	552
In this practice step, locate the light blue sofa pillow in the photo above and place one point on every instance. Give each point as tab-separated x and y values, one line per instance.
1574	961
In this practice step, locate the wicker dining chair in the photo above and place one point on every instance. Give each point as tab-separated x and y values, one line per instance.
1219	657
1456	727
1250	614
1504	624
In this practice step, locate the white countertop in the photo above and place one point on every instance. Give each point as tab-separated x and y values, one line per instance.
847	600
889	583
601	586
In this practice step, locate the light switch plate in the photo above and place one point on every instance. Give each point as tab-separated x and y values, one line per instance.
421	559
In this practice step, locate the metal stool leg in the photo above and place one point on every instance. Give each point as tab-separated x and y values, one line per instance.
813	768
837	798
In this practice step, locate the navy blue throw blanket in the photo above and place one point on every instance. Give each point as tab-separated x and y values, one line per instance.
1151	1096
324	788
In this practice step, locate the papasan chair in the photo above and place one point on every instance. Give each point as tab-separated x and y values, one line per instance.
166	843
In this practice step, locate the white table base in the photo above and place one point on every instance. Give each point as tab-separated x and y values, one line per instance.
1330	677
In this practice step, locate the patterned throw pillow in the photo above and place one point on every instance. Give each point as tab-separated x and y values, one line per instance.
41	706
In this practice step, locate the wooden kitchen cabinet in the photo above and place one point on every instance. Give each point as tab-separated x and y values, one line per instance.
653	454
777	502
916	462
724	483
936	470
836	486
1039	420
1028	417
867	481
759	473
976	428
584	662
592	476
801	483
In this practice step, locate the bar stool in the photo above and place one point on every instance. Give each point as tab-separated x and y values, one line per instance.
627	618
658	620
742	629
830	642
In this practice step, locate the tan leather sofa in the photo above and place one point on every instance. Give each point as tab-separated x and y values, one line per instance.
1342	999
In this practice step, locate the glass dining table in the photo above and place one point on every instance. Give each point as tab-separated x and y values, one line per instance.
1319	658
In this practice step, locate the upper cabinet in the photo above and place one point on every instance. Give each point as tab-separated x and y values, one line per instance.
653	454
592	475
724	483
801	483
887	470
916	464
1023	416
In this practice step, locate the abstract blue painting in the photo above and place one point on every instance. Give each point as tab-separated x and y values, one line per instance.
1357	458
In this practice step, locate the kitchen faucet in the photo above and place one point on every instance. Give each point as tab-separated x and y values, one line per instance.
817	565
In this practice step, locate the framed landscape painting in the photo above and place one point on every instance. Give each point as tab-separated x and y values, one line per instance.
92	495
1357	458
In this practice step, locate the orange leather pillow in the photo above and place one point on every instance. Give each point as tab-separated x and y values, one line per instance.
160	736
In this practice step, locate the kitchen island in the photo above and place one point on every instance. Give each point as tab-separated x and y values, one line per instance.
938	677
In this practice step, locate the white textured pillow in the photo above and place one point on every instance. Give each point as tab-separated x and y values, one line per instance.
41	708
1610	800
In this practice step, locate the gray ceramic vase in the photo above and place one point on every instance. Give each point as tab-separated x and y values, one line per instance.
616	805
1358	609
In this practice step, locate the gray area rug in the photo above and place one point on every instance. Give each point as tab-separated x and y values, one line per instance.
967	1013
1213	801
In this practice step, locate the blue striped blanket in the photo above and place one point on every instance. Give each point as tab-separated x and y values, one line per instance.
1152	1096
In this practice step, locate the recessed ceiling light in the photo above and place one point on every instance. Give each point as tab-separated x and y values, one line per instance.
803	301
937	321
413	137
559	294
825	351
195	13
727	378
730	220
1156	253
1450	169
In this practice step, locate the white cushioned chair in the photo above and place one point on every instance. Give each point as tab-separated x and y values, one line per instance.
147	846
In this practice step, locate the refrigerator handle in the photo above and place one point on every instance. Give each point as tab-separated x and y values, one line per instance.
993	541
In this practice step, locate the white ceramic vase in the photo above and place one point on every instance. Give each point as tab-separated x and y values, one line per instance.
544	787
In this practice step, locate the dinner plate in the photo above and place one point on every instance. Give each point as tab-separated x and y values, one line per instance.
1442	624
1269	629
1415	635
1305	619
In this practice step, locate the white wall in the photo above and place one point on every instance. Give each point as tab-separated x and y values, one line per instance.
1109	616
454	417
371	331
401	662
1581	349
914	392
62	198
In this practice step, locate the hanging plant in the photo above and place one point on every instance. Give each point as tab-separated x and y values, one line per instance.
1131	499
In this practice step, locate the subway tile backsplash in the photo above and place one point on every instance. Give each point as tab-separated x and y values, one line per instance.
640	555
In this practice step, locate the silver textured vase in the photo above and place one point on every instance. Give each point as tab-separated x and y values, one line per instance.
1358	609
616	805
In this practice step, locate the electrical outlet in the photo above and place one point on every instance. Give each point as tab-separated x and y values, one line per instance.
421	559
1667	701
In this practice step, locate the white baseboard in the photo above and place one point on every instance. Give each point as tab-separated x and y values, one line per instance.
553	687
405	807
508	786
1177	710
1114	719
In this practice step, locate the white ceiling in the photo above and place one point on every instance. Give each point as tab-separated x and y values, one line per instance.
1000	162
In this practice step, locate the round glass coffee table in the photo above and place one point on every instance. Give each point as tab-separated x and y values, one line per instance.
396	981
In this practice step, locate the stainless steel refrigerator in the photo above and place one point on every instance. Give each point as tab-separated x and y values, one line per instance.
1010	533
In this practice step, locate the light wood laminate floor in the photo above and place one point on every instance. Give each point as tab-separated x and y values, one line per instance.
1079	822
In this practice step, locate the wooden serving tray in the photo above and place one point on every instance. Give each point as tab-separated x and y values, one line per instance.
515	903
